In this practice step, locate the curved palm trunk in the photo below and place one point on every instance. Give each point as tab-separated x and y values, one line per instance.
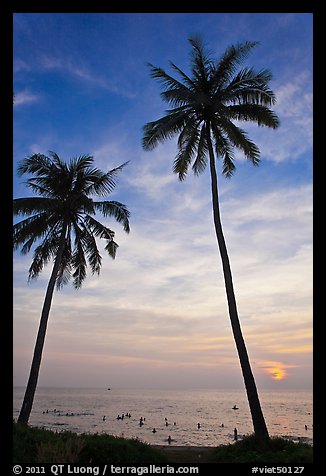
38	350
259	424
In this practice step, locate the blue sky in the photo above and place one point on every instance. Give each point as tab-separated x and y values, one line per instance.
157	315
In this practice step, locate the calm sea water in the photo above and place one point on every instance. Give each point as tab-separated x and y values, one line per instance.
171	413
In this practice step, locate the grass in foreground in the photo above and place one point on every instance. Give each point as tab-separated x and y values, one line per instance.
275	450
35	445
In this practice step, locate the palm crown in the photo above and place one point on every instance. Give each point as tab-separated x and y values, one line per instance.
207	104
65	211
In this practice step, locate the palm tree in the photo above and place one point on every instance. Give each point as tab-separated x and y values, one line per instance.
62	220
205	109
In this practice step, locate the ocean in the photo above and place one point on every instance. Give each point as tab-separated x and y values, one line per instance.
189	417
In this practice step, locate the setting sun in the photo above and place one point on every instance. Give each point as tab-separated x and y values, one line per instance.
277	370
277	373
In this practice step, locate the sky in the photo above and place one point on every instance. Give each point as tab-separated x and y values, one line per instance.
157	315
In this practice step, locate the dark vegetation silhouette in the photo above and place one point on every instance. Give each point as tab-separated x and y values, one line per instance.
206	109
61	223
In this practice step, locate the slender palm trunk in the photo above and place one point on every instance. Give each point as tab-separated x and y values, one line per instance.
38	350
258	420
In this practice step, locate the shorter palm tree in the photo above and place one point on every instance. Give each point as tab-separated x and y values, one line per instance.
62	221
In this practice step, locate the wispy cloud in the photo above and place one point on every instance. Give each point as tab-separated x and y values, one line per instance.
163	298
21	65
294	108
84	73
25	97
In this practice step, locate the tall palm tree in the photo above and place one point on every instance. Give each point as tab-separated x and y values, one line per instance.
62	220
207	107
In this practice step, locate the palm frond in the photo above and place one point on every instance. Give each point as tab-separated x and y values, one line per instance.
167	81
262	115
56	160
30	205
65	266
200	162
186	80
37	164
40	187
93	255
111	248
42	254
90	249
78	257
228	164
174	92
79	164
239	139
100	183
97	228
224	150
249	86
226	67
178	97
78	263
164	128
200	62
64	275
31	228
187	145
115	209
50	175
